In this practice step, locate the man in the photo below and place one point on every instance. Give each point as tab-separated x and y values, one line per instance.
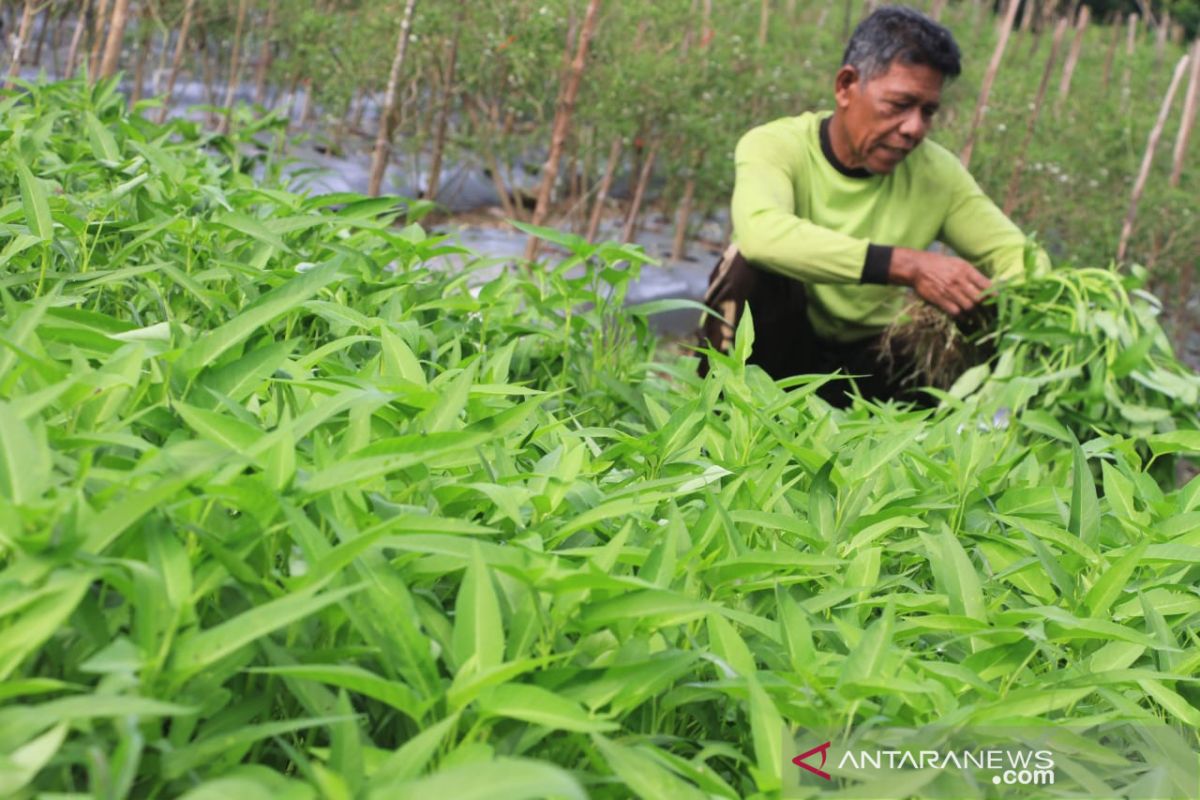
832	215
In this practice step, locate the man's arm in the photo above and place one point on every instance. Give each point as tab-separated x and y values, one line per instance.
978	231
769	233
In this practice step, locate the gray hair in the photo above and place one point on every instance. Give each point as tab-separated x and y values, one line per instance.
900	33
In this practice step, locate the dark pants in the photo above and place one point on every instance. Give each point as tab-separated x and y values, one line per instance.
784	341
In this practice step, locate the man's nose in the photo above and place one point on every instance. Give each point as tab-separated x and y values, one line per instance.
915	125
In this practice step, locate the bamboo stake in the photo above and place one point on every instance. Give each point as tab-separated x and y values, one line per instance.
1027	17
1010	197
383	138
1160	38
443	120
1139	185
139	64
935	11
562	124
116	37
264	56
14	69
679	244
47	18
76	38
610	169
1064	86
235	64
1189	117
1112	51
1130	43
764	20
988	79
97	38
638	193
177	59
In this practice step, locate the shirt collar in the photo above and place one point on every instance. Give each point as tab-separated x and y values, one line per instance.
827	151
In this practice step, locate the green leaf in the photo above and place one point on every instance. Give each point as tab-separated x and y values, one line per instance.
1113	580
205	350
211	645
1085	508
478	626
104	146
644	776
37	207
539	706
23	764
510	778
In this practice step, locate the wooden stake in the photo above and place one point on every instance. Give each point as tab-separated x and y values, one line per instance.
679	243
1139	185
610	169
1010	197
177	59
1189	116
639	193
97	39
76	38
14	69
235	63
264	56
116	37
988	79
1064	86
443	119
1130	43
1112	50
383	137
562	124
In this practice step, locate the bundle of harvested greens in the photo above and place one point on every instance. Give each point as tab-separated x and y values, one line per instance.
1085	342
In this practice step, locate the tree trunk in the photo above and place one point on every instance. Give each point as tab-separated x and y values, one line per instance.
22	39
116	37
1010	198
76	38
610	169
1189	116
988	79
264	56
97	39
235	64
1064	86
1139	185
562	123
1028	15
935	11
443	120
177	59
383	138
639	192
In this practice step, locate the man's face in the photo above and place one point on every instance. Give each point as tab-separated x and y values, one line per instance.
888	115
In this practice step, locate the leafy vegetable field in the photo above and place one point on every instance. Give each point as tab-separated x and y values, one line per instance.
286	511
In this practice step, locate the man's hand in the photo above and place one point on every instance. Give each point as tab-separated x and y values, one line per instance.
949	283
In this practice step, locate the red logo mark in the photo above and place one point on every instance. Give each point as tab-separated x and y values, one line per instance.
823	749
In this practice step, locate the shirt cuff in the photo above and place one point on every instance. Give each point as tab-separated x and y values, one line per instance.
877	264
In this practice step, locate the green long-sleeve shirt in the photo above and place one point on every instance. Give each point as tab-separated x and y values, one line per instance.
799	212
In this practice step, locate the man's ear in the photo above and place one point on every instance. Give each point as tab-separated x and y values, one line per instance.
845	84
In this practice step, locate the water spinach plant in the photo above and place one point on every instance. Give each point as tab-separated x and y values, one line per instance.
290	509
